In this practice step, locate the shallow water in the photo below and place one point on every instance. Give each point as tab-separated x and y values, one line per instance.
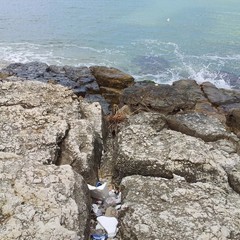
163	40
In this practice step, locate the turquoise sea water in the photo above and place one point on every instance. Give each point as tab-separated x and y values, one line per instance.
164	40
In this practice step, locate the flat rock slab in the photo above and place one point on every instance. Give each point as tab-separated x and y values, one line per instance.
146	148
157	208
206	127
41	202
182	95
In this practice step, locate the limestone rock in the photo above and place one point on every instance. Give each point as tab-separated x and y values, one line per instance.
41	202
206	127
156	151
38	119
111	77
157	208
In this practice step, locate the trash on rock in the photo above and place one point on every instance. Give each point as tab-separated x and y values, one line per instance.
106	203
109	224
113	199
97	210
99	192
98	237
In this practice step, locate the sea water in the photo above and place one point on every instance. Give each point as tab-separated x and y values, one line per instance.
160	40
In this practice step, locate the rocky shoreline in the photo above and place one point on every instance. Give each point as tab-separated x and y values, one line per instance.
172	150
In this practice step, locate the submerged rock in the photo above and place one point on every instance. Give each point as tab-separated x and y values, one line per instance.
151	64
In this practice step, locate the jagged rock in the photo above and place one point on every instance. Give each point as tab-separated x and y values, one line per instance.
208	128
111	82
41	202
30	70
223	98
182	95
40	120
155	120
157	208
80	79
156	151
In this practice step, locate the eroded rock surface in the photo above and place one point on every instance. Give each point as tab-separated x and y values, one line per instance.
206	127
41	202
157	208
183	95
40	121
149	148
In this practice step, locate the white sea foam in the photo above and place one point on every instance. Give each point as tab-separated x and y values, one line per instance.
182	66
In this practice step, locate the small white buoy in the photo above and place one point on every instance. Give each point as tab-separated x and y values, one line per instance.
168	19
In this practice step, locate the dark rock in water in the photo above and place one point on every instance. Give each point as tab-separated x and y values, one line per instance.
151	64
30	70
79	74
80	79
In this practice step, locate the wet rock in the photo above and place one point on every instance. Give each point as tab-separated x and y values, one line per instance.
111	77
42	202
30	70
182	95
80	79
222	98
156	151
157	208
47	124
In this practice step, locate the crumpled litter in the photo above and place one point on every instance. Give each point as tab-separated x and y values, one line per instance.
105	202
